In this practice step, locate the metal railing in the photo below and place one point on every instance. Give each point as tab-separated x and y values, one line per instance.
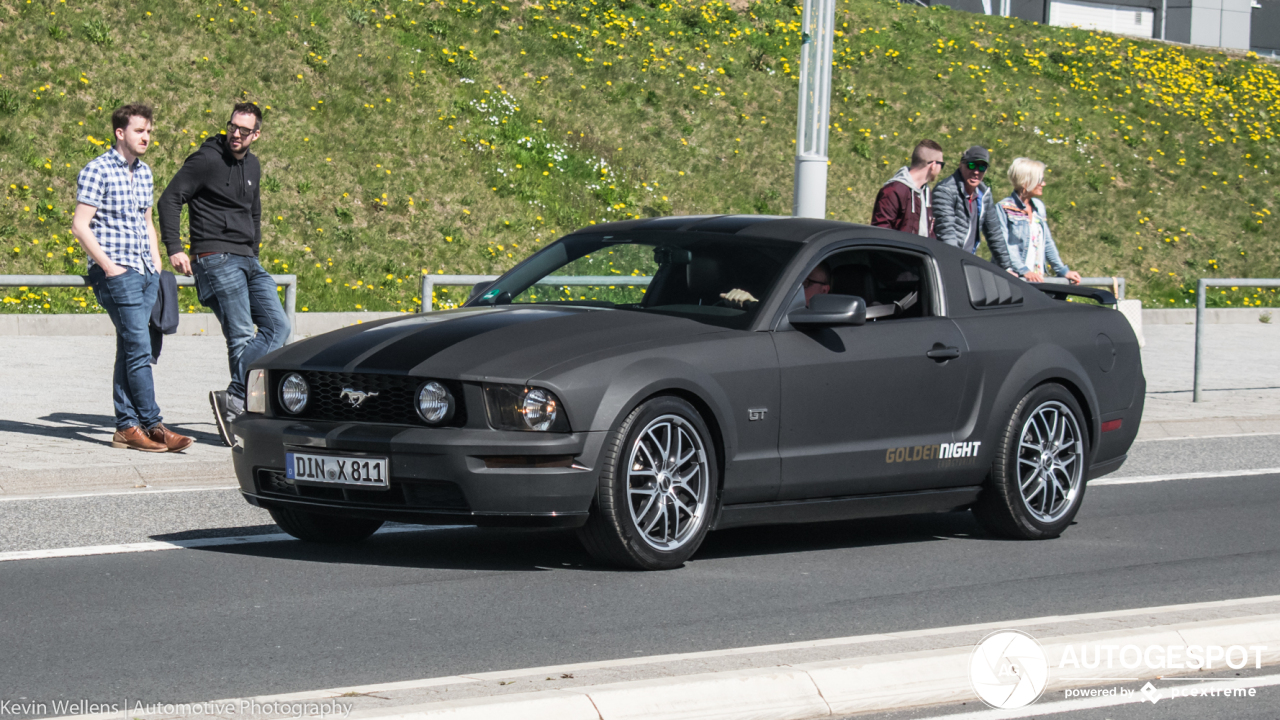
290	283
1114	284
429	282
1200	308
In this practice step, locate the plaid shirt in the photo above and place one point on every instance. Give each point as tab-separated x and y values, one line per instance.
122	199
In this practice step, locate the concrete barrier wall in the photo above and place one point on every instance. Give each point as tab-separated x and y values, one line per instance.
1214	316
317	323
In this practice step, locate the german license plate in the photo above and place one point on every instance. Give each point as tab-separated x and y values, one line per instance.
337	469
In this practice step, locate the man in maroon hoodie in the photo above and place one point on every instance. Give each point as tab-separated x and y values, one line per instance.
904	203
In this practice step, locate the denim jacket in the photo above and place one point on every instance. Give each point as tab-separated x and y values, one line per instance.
1017	231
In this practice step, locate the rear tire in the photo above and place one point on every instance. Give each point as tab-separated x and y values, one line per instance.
326	529
1037	478
658	488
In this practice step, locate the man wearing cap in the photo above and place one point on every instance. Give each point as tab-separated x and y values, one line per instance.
963	207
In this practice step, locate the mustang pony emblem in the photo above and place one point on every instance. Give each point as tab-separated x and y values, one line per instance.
356	397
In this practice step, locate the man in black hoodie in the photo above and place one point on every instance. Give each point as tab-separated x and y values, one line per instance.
219	185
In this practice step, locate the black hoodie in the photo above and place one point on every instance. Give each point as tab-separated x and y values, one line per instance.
224	204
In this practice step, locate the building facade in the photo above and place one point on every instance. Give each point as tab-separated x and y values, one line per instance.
1231	24
1264	33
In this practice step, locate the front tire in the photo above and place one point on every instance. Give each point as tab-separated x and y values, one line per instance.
658	488
326	529
1037	478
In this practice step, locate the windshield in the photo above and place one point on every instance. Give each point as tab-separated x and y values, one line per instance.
711	278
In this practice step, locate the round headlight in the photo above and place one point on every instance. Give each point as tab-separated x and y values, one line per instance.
294	393
435	403
540	408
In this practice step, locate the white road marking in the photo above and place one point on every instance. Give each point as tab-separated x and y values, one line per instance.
109	493
154	545
277	537
1184	438
1182	476
1066	706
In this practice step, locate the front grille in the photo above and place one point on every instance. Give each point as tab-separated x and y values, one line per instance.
394	402
415	494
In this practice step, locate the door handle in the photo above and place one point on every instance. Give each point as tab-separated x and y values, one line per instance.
942	354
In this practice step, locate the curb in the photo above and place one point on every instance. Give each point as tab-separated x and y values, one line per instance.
1208	427
833	688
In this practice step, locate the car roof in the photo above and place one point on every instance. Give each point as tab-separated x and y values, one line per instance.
773	227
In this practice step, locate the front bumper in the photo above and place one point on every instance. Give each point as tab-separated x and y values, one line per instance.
463	476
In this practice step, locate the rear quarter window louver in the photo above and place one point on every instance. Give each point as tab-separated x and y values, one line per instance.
988	289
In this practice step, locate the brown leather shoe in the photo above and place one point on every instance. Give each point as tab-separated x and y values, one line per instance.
170	439
134	439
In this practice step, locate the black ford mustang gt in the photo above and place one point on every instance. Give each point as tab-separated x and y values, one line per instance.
646	408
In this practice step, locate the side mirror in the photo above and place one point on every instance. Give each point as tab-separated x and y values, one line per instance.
477	290
830	310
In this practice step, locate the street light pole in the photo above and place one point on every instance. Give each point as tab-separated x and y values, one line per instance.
814	111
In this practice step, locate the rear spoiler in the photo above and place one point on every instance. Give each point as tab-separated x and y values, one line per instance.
1060	292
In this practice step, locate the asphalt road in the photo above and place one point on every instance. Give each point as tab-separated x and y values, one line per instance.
187	625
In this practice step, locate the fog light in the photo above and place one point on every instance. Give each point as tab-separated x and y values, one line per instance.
435	403
294	393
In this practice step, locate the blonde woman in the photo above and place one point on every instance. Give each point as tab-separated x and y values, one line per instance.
1026	228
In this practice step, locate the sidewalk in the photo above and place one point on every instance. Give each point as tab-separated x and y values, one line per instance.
56	419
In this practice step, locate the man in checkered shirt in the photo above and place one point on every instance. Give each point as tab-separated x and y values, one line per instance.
113	224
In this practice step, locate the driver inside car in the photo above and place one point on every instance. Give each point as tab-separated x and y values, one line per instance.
818	283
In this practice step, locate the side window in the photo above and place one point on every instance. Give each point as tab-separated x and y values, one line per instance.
988	289
894	284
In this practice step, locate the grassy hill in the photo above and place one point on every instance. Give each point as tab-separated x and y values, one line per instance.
406	137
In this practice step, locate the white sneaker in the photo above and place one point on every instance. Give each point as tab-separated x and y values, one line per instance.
218	401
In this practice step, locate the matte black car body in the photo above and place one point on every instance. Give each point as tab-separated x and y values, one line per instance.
806	425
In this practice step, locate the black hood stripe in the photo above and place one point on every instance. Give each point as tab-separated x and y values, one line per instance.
359	345
406	353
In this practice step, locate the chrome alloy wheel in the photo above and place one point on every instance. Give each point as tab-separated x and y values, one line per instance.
668	482
1050	461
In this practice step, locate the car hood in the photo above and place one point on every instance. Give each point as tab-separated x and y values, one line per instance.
511	344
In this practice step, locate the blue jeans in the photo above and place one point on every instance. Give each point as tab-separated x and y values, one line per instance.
128	299
242	295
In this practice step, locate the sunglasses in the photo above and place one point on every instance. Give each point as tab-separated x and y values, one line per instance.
234	129
978	166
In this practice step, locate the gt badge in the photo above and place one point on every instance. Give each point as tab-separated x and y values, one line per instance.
754	414
356	398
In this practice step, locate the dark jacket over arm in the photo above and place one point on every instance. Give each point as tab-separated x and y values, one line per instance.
224	204
257	219
950	211
184	185
993	230
888	209
950	224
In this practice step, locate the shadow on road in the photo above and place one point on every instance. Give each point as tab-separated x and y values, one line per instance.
93	429
524	550
240	531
